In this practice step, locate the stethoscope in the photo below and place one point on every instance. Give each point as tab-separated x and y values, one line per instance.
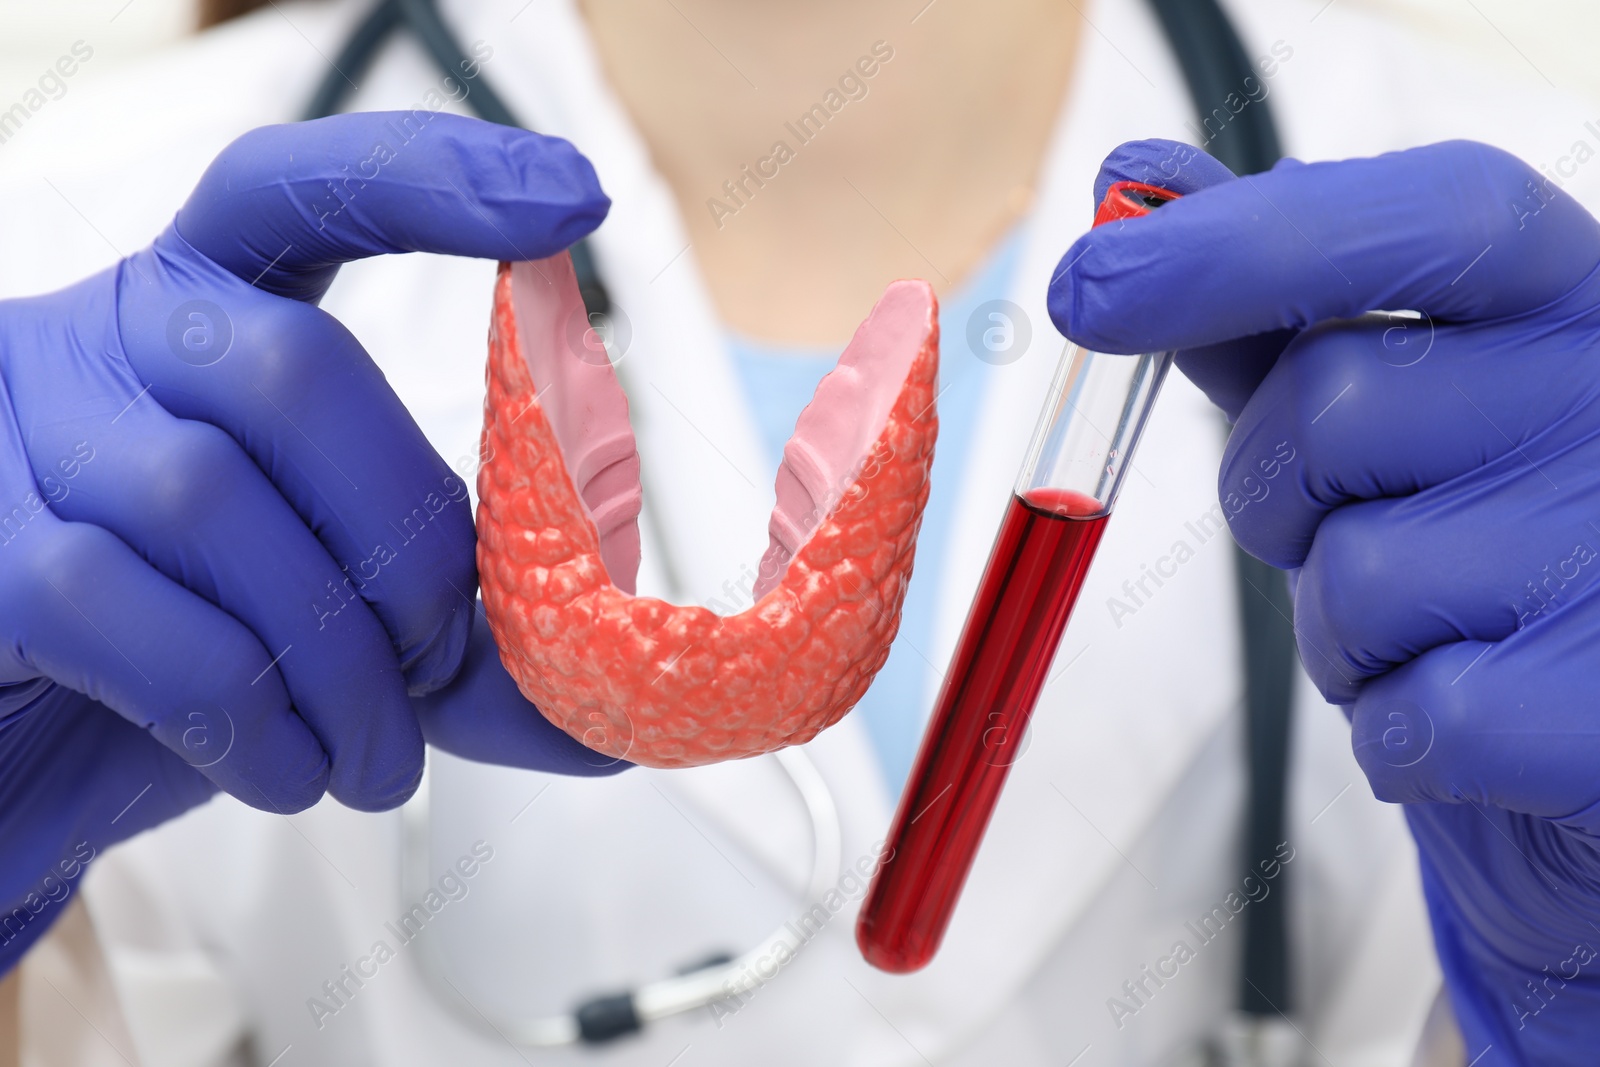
1215	64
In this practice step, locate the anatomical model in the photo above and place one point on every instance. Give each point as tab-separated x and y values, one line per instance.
558	538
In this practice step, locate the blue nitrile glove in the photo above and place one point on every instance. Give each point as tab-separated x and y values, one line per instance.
1437	482
483	716
226	551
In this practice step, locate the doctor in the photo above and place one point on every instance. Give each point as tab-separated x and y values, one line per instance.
1115	842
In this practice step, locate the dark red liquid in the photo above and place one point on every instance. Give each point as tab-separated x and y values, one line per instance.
1038	565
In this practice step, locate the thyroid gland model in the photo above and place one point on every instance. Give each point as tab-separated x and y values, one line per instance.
662	685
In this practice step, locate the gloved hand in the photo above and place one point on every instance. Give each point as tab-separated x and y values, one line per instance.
226	551
1442	505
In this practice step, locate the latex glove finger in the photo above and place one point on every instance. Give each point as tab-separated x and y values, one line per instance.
1495	724
1228	371
1171	165
283	206
1458	230
95	618
188	499
301	396
482	716
1476	559
1344	400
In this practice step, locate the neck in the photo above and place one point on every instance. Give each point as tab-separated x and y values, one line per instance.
817	151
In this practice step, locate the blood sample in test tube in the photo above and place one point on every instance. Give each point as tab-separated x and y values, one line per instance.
1047	541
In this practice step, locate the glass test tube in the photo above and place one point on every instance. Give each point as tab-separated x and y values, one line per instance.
1098	406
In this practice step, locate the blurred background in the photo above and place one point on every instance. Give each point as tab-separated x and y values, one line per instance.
1554	37
1540	40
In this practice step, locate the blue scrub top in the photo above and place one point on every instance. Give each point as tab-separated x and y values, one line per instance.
779	382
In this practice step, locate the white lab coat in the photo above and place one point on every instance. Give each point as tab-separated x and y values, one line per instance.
1119	825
